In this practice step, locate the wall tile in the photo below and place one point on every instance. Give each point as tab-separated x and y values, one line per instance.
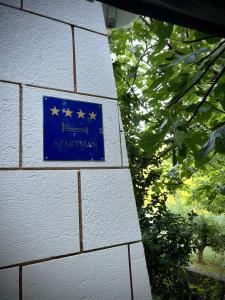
38	215
33	130
88	276
9	124
16	3
82	13
141	286
123	142
93	64
109	211
9	284
35	50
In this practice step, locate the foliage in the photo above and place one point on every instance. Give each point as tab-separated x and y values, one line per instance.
209	232
204	288
171	89
207	190
204	192
214	266
168	244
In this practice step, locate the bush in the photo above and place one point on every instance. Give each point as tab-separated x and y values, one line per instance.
168	245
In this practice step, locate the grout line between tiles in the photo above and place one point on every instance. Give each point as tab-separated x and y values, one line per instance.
37	261
51	18
130	271
20	283
57	90
62	168
80	212
74	60
120	131
20	126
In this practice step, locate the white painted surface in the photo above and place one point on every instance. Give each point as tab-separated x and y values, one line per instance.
123	143
38	215
101	275
35	50
16	3
93	63
33	130
81	13
109	210
9	124
141	286
9	284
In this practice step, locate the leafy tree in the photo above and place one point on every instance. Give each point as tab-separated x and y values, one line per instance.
209	233
207	190
171	89
168	244
204	192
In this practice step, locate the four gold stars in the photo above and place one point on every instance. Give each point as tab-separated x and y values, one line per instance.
92	115
80	114
55	111
68	113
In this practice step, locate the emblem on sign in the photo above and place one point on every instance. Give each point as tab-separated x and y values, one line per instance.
73	130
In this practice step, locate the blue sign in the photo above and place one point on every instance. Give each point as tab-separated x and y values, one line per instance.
73	130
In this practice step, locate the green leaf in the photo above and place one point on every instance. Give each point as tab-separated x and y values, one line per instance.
188	81
160	58
161	29
179	135
150	141
174	158
216	141
219	93
194	56
219	90
182	151
222	190
192	107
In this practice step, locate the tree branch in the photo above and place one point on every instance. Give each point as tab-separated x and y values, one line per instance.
170	46
163	154
199	40
207	94
213	51
139	60
217	125
136	97
146	23
214	107
199	78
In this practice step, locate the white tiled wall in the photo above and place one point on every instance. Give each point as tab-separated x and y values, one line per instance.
9	124
109	212
16	3
76	12
38	215
98	275
35	50
125	161
9	284
141	287
93	63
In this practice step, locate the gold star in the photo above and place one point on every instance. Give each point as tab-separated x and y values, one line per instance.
68	112
80	114
55	111
93	115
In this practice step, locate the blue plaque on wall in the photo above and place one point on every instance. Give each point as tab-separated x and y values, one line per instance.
73	130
